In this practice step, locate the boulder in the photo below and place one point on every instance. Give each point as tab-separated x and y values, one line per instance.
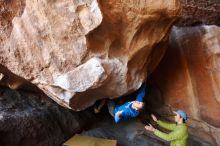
33	119
80	51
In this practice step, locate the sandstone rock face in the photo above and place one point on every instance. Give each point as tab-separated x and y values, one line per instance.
196	12
81	51
188	77
8	10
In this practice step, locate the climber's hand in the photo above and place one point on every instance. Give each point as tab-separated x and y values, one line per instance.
154	117
150	128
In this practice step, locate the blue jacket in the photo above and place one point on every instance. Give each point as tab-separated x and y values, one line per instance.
127	111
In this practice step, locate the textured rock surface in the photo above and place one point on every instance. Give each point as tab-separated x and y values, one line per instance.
188	77
81	51
30	119
8	10
196	12
50	46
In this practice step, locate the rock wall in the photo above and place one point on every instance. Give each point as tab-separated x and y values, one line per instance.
188	77
8	10
195	12
81	51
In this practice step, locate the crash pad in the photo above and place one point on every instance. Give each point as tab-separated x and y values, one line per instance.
81	140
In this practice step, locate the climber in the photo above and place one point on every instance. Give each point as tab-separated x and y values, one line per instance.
179	133
128	110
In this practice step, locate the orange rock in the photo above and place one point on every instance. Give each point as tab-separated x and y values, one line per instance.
188	75
78	52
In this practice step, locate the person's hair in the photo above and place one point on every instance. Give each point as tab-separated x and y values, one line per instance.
184	121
